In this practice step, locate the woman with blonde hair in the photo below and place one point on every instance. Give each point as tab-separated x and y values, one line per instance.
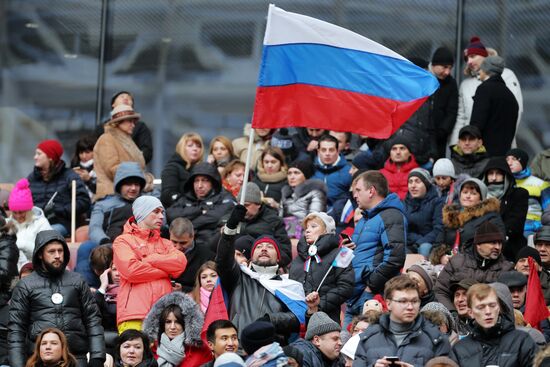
220	152
189	151
205	282
51	349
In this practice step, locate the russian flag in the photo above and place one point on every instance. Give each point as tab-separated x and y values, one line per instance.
316	74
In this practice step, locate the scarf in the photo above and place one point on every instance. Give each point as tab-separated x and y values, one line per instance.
495	190
524	173
170	352
271	177
111	293
127	143
205	299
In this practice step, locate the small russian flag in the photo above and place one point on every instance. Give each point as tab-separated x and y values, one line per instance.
344	257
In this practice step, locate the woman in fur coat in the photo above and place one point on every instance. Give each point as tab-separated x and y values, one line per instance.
175	323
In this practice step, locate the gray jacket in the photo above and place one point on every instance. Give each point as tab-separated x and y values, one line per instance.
310	196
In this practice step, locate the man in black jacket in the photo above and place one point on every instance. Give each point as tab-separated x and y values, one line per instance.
54	297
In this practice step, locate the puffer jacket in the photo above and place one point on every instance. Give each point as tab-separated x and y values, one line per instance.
423	343
249	300
468	265
8	275
424	217
398	177
539	198
513	207
338	285
310	196
26	234
335	176
470	164
207	214
502	345
466	221
313	357
60	183
145	262
196	351
32	309
174	176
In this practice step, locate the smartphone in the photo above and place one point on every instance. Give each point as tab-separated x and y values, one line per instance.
345	237
173	283
392	359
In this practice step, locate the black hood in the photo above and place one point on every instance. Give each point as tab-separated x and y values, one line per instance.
500	164
204	169
42	239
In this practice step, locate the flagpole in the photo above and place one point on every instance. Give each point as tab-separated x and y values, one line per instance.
325	277
247	165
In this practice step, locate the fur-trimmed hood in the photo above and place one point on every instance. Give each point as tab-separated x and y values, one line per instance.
193	317
454	216
304	188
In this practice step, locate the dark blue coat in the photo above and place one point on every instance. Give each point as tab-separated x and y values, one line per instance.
425	218
336	177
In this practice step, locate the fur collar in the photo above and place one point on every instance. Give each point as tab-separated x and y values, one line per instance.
454	216
304	188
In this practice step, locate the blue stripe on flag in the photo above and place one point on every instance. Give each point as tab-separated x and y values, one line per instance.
297	307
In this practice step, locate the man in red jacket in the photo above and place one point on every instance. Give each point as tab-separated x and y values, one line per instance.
398	166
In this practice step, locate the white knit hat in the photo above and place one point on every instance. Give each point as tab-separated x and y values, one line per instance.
330	225
144	205
444	167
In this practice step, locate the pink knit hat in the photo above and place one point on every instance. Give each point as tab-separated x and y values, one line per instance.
20	197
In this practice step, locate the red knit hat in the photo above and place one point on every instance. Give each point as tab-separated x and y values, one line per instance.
20	197
52	148
475	48
267	239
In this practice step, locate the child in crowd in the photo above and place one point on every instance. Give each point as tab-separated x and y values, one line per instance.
83	162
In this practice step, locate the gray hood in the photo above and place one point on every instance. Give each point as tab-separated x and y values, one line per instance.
126	170
505	298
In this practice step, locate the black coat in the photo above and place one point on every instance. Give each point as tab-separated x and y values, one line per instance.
338	285
9	255
195	258
32	309
471	164
313	357
60	182
495	112
445	108
271	189
174	176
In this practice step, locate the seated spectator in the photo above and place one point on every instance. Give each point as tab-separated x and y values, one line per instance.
326	289
106	297
182	235
50	184
501	185
83	163
332	168
134	350
220	152
258	342
344	144
221	336
203	202
522	260
461	312
175	323
189	152
205	282
469	155
27	220
438	315
445	177
403	332
306	141
398	166
283	140
423	207
233	177
540	166
517	284
271	175
51	349
424	274
461	220
321	344
301	196
482	262
262	137
539	190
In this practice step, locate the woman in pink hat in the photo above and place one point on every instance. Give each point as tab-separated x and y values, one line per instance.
27	220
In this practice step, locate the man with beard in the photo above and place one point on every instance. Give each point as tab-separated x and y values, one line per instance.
53	297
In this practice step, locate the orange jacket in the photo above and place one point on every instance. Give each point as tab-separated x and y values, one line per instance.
145	262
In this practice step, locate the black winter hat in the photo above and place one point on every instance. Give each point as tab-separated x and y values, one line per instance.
512	278
443	56
257	335
244	245
293	352
364	160
543	234
521	156
118	94
282	139
527	251
304	166
488	232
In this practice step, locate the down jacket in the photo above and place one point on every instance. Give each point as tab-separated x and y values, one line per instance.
8	274
249	300
335	176
338	285
313	357
398	177
196	352
145	262
174	176
33	310
308	197
423	343
26	234
470	164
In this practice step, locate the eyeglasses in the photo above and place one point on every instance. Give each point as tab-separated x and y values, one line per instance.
405	302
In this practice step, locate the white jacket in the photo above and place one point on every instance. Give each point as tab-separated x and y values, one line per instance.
466	94
26	234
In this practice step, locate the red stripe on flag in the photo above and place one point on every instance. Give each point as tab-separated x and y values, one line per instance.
216	310
535	305
304	105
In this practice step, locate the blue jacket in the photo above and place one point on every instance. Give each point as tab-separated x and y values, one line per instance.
380	237
336	177
424	217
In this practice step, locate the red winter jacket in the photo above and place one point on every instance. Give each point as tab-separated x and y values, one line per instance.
398	177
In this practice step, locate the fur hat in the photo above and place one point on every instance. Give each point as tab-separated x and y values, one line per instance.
320	324
439	307
52	148
257	335
488	232
330	225
521	155
444	167
268	239
493	65
482	188
443	56
423	175
304	166
527	251
253	194
123	112
21	197
427	271
475	48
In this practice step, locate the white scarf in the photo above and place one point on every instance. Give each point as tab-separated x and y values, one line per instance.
170	352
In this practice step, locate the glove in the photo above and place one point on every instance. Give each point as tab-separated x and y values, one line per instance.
96	362
236	216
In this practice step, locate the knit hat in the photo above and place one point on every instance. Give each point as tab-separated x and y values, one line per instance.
229	359
330	225
293	352
444	167
423	175
304	166
257	335
418	61
123	112
475	48
268	239
118	94
363	160
427	271
244	245
283	140
350	347
470	130
493	64
253	194
439	307
52	148
320	324
21	197
543	234
521	155
144	205
28	267
400	139
488	232
482	188
512	278
527	251
443	56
